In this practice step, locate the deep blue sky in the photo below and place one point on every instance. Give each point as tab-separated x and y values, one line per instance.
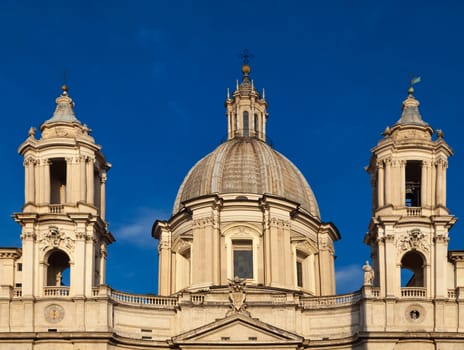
150	79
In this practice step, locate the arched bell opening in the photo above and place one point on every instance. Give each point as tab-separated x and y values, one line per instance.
412	270
58	269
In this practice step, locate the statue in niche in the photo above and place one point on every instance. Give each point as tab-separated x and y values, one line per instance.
368	274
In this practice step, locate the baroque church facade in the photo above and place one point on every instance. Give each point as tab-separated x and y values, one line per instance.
245	260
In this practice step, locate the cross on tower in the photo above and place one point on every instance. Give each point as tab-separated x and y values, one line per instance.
246	56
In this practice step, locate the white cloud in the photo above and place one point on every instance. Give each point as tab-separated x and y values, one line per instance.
137	230
349	278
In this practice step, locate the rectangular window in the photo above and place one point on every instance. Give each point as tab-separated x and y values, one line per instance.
243	258
413	183
246	128
19	267
299	274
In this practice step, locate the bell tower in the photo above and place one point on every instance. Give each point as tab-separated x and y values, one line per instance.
64	232
408	233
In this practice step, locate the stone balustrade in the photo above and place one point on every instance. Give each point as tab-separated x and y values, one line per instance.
56	291
331	301
414	292
145	300
413	211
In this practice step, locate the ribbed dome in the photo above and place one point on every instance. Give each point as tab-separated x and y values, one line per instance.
247	165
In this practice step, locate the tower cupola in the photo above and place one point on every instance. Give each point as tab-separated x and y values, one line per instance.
246	109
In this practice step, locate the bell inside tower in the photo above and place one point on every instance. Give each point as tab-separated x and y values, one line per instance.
58	181
413	183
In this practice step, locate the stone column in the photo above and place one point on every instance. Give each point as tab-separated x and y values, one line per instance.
388	181
28	252
164	268
78	280
425	184
443	198
325	264
69	181
380	184
29	183
216	244
441	266
82	175
90	180
403	183
89	269
392	277
439	182
103	195
266	245
46	181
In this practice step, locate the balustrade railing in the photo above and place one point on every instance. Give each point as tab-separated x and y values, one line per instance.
332	301
413	211
451	294
148	300
17	292
414	292
197	299
56	208
56	291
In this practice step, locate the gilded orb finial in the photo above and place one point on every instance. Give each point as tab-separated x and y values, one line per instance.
64	89
246	57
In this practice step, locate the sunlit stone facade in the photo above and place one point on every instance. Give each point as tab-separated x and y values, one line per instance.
245	261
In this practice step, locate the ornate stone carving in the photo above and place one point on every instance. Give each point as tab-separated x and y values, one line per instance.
202	222
414	239
441	239
389	238
56	239
29	161
80	236
28	236
237	296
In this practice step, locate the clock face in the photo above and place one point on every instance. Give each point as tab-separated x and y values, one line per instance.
54	313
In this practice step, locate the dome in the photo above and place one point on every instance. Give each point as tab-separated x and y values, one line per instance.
247	165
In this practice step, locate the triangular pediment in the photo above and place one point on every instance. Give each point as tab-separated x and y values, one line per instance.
238	329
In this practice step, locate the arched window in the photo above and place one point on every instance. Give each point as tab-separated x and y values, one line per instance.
246	123
58	269
57	181
413	183
412	270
